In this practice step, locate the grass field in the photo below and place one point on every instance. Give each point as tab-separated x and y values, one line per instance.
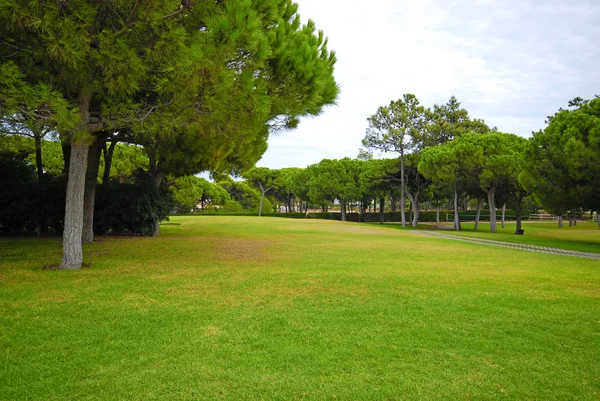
242	308
583	237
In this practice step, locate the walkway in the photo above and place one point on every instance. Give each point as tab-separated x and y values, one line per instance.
513	245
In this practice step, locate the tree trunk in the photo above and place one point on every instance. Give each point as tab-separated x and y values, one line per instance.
108	158
89	198
570	220
381	210
518	216
478	213
492	204
343	209
38	157
437	214
403	185
157	181
416	210
72	246
457	226
415	207
598	219
503	214
560	223
78	153
66	150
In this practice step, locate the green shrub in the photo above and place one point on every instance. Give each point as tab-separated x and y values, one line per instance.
230	206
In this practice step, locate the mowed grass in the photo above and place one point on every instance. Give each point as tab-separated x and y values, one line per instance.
583	237
242	308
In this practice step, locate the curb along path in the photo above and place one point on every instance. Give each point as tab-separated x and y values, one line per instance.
514	245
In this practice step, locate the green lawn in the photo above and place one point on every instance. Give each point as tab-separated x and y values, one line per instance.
242	308
583	237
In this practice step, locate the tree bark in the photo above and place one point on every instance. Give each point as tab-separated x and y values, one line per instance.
478	213
518	216
503	214
343	209
262	196
437	214
66	150
381	210
403	185
492	204
597	218
560	222
89	198
457	226
157	179
415	208
108	158
72	247
38	157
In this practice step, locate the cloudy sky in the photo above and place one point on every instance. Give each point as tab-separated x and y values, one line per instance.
510	62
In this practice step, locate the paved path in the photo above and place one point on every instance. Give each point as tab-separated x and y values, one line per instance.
513	245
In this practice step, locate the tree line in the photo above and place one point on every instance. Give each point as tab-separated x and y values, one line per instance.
443	155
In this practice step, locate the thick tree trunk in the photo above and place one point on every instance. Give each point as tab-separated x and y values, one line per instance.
343	209
72	247
597	218
381	210
570	220
492	204
403	185
38	157
560	222
89	198
503	214
78	153
457	226
518	216
437	214
478	213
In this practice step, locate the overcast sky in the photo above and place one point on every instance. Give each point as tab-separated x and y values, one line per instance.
510	62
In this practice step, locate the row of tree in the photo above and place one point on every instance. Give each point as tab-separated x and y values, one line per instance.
445	155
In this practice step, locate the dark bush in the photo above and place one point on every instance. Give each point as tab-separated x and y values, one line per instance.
27	205
131	208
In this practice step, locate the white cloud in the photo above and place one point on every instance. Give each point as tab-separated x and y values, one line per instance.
511	63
